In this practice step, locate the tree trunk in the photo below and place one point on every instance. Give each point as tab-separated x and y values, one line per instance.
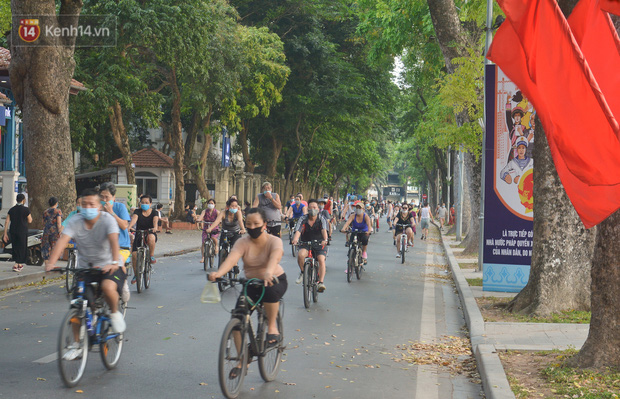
40	80
176	140
192	133
602	347
243	139
472	169
200	166
272	164
119	133
447	24
562	251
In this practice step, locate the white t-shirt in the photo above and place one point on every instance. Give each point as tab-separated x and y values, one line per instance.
425	213
93	245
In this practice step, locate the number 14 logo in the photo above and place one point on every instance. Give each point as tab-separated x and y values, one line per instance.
29	30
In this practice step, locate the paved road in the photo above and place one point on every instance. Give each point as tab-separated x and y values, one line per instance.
343	347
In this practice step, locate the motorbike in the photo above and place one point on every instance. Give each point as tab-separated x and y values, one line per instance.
34	248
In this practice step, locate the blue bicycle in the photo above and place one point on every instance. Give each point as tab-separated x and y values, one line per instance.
86	325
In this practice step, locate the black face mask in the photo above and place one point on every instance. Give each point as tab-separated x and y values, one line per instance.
256	232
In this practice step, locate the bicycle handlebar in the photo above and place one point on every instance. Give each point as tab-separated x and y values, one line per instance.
244	281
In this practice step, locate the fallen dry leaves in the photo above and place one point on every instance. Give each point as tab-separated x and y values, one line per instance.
451	353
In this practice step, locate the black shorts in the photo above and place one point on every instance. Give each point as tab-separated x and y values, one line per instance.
317	250
137	242
232	238
118	277
361	237
274	230
273	294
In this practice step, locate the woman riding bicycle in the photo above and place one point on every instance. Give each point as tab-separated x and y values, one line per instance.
404	217
295	211
208	216
360	221
231	220
261	254
144	218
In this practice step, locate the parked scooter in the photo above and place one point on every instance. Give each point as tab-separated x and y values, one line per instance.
34	248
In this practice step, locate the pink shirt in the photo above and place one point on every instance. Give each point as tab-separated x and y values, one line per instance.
255	257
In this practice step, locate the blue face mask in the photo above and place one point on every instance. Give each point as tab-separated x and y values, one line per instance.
90	213
103	203
79	208
267	192
233	210
145	207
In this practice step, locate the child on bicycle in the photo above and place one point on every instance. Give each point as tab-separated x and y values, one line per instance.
96	235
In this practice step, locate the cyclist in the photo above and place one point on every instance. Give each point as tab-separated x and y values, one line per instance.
206	218
403	217
309	228
324	213
377	208
359	221
349	209
231	221
270	203
261	253
118	210
425	217
301	198
144	218
96	234
296	211
370	211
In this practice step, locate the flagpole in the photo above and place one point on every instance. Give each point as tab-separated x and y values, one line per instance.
489	38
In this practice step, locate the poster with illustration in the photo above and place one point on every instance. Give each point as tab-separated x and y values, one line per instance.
509	184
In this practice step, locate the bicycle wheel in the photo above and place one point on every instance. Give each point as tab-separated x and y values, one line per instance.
315	285
111	342
148	269
307	283
140	266
403	248
269	361
212	256
232	356
360	265
222	257
70	272
72	354
206	253
351	263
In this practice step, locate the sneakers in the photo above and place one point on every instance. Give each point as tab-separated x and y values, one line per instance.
168	232
411	243
398	255
321	287
74	352
300	278
118	322
153	260
126	294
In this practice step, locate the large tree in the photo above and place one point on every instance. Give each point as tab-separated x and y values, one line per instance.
40	79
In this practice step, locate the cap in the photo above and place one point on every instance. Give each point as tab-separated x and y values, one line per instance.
358	203
321	200
521	141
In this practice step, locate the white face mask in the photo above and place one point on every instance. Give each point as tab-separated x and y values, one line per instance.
359	211
210	206
321	206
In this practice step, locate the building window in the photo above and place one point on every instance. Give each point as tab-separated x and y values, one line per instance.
147	184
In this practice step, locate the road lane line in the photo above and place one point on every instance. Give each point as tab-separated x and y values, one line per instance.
47	359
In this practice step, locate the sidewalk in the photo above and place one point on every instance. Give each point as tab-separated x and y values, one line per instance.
177	243
488	338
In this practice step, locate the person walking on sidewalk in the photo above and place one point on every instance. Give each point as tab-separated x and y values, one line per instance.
17	221
52	218
270	203
425	217
442	214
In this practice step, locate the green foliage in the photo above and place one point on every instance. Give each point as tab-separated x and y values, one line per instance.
5	21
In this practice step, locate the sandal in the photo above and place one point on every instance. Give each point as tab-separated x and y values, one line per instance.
234	373
17	267
273	339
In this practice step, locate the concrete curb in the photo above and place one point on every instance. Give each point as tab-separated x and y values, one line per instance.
26	279
494	381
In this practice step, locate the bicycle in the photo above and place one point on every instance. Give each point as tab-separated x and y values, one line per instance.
403	240
354	256
143	261
80	330
225	248
291	233
208	249
240	343
71	265
311	274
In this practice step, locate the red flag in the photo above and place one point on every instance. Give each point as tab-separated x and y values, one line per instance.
536	49
612	6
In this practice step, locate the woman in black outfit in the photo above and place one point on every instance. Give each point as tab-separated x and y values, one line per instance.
145	218
17	221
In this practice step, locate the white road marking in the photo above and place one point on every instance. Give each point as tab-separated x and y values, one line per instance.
47	359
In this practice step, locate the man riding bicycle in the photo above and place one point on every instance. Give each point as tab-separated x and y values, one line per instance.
324	213
295	212
404	217
96	234
309	228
